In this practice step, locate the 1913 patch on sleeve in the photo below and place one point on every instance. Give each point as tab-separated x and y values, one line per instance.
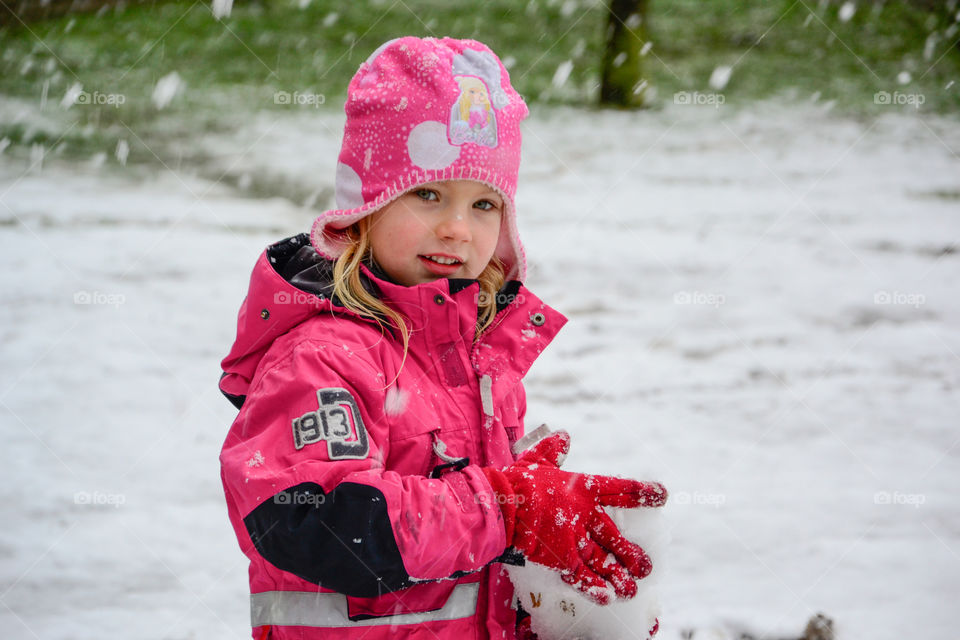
337	421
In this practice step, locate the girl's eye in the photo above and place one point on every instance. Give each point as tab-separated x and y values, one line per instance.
427	194
486	205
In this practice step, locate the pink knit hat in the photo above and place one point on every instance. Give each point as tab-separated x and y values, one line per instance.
424	110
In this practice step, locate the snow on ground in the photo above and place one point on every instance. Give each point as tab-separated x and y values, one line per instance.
763	315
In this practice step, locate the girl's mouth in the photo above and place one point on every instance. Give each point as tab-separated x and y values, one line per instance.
442	265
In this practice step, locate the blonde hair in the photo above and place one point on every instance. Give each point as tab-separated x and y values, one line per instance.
466	83
348	288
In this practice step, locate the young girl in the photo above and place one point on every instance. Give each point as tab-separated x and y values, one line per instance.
377	368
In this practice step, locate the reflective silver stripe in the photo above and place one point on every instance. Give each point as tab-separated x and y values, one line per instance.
306	609
486	394
532	438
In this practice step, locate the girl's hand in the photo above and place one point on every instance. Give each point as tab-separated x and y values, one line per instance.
557	519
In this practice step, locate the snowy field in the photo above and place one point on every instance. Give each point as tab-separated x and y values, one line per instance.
764	316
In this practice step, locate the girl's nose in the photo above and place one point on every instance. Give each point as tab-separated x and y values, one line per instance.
454	225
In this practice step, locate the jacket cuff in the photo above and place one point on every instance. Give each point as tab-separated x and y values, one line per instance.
506	499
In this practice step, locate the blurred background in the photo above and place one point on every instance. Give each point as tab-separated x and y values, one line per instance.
747	209
98	72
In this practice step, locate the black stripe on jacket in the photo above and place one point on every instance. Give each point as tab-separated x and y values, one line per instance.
341	540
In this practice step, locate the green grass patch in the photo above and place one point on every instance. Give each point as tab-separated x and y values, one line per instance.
279	55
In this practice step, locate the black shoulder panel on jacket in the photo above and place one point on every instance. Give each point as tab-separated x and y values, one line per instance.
341	540
507	294
296	261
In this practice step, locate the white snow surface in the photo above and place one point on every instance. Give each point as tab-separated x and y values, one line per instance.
763	316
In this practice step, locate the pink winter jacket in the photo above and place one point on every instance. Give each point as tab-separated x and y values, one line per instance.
357	494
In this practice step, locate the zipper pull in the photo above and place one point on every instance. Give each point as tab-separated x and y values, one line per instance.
452	463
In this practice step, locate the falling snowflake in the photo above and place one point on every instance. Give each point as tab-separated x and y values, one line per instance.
71	96
562	73
122	151
167	87
720	77
847	11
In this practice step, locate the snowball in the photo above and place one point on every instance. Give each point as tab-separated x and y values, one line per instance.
560	611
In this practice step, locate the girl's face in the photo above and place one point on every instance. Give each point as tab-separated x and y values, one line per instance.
445	229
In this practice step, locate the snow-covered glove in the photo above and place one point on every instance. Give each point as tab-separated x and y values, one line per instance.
556	518
525	630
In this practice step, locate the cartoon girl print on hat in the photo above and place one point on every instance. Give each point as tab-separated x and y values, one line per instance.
472	119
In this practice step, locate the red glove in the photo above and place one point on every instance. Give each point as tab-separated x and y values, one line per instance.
556	519
525	630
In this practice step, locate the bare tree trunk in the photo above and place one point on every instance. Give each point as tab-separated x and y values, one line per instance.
623	84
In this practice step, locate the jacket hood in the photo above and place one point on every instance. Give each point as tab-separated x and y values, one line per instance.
287	286
290	283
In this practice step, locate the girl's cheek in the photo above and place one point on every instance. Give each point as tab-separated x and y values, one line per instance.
492	225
